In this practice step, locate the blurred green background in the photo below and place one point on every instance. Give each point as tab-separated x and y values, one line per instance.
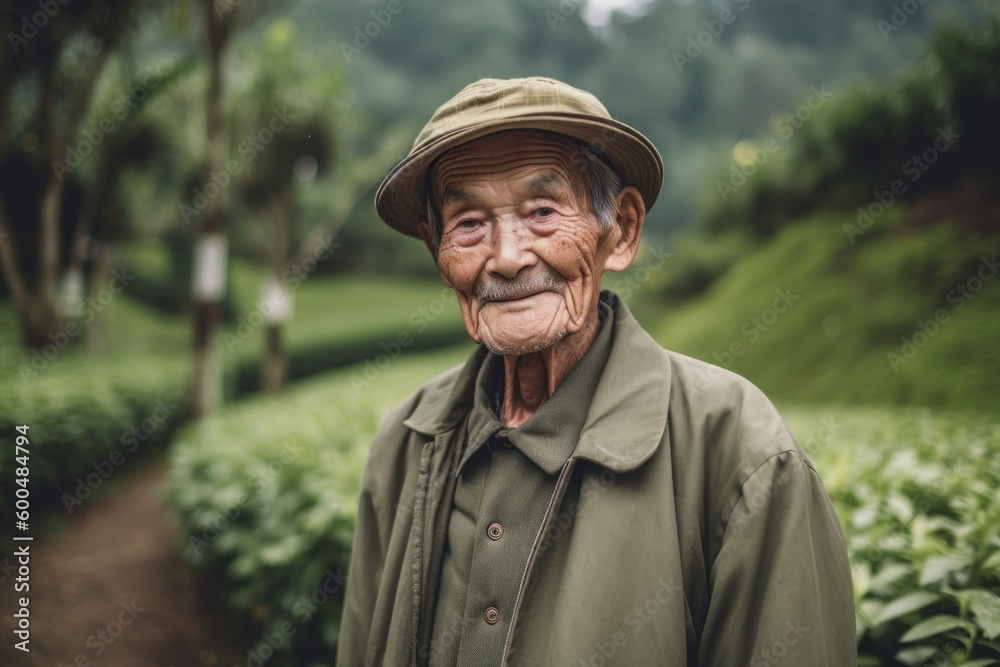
202	319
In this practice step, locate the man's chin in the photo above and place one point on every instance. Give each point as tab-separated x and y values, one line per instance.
515	331
517	347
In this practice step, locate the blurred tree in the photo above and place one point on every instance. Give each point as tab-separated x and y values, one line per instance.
220	22
969	58
57	53
764	59
283	106
294	105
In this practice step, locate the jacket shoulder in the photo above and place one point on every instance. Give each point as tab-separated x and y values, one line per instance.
734	418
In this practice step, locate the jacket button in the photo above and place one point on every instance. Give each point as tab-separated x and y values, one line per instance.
492	615
495	531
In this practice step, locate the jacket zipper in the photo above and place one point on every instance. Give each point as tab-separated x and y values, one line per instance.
557	491
419	521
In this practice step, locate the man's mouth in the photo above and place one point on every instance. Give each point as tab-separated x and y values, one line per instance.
514	297
494	291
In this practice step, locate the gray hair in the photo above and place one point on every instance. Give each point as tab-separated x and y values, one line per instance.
601	185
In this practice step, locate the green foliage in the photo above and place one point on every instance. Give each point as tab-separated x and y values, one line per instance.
85	410
82	401
266	494
857	330
82	405
335	321
340	321
916	492
865	138
267	491
697	261
762	61
970	72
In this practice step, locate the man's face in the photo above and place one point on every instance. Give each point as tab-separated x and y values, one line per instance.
519	243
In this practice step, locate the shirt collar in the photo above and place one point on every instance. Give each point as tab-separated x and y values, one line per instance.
550	436
632	397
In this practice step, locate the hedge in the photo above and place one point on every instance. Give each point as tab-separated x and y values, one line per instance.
88	416
916	491
81	404
266	495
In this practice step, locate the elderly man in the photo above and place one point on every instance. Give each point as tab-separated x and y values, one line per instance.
574	494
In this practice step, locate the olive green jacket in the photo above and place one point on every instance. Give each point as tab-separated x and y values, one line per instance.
687	528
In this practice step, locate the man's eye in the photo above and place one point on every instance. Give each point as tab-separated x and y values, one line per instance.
468	223
545	211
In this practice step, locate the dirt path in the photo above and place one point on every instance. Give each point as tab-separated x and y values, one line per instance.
108	590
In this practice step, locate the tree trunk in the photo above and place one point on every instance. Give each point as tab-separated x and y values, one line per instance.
275	363
208	311
50	211
39	314
97	337
15	280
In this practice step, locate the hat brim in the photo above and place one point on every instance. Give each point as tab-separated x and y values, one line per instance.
401	198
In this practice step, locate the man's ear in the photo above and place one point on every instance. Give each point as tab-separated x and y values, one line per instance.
630	216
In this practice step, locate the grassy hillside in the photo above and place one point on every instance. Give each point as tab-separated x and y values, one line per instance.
900	315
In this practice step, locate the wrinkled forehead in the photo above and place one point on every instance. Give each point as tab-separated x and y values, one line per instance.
501	155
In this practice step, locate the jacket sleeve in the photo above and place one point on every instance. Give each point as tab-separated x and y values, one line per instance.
363	577
780	586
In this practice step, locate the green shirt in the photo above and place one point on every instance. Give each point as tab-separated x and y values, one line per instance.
506	478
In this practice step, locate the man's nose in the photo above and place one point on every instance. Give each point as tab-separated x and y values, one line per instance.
512	247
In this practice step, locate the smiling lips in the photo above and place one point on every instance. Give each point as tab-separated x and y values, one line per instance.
515	297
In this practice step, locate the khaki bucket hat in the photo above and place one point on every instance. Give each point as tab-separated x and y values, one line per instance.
495	105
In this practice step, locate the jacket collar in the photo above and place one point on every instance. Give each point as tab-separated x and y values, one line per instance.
626	419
